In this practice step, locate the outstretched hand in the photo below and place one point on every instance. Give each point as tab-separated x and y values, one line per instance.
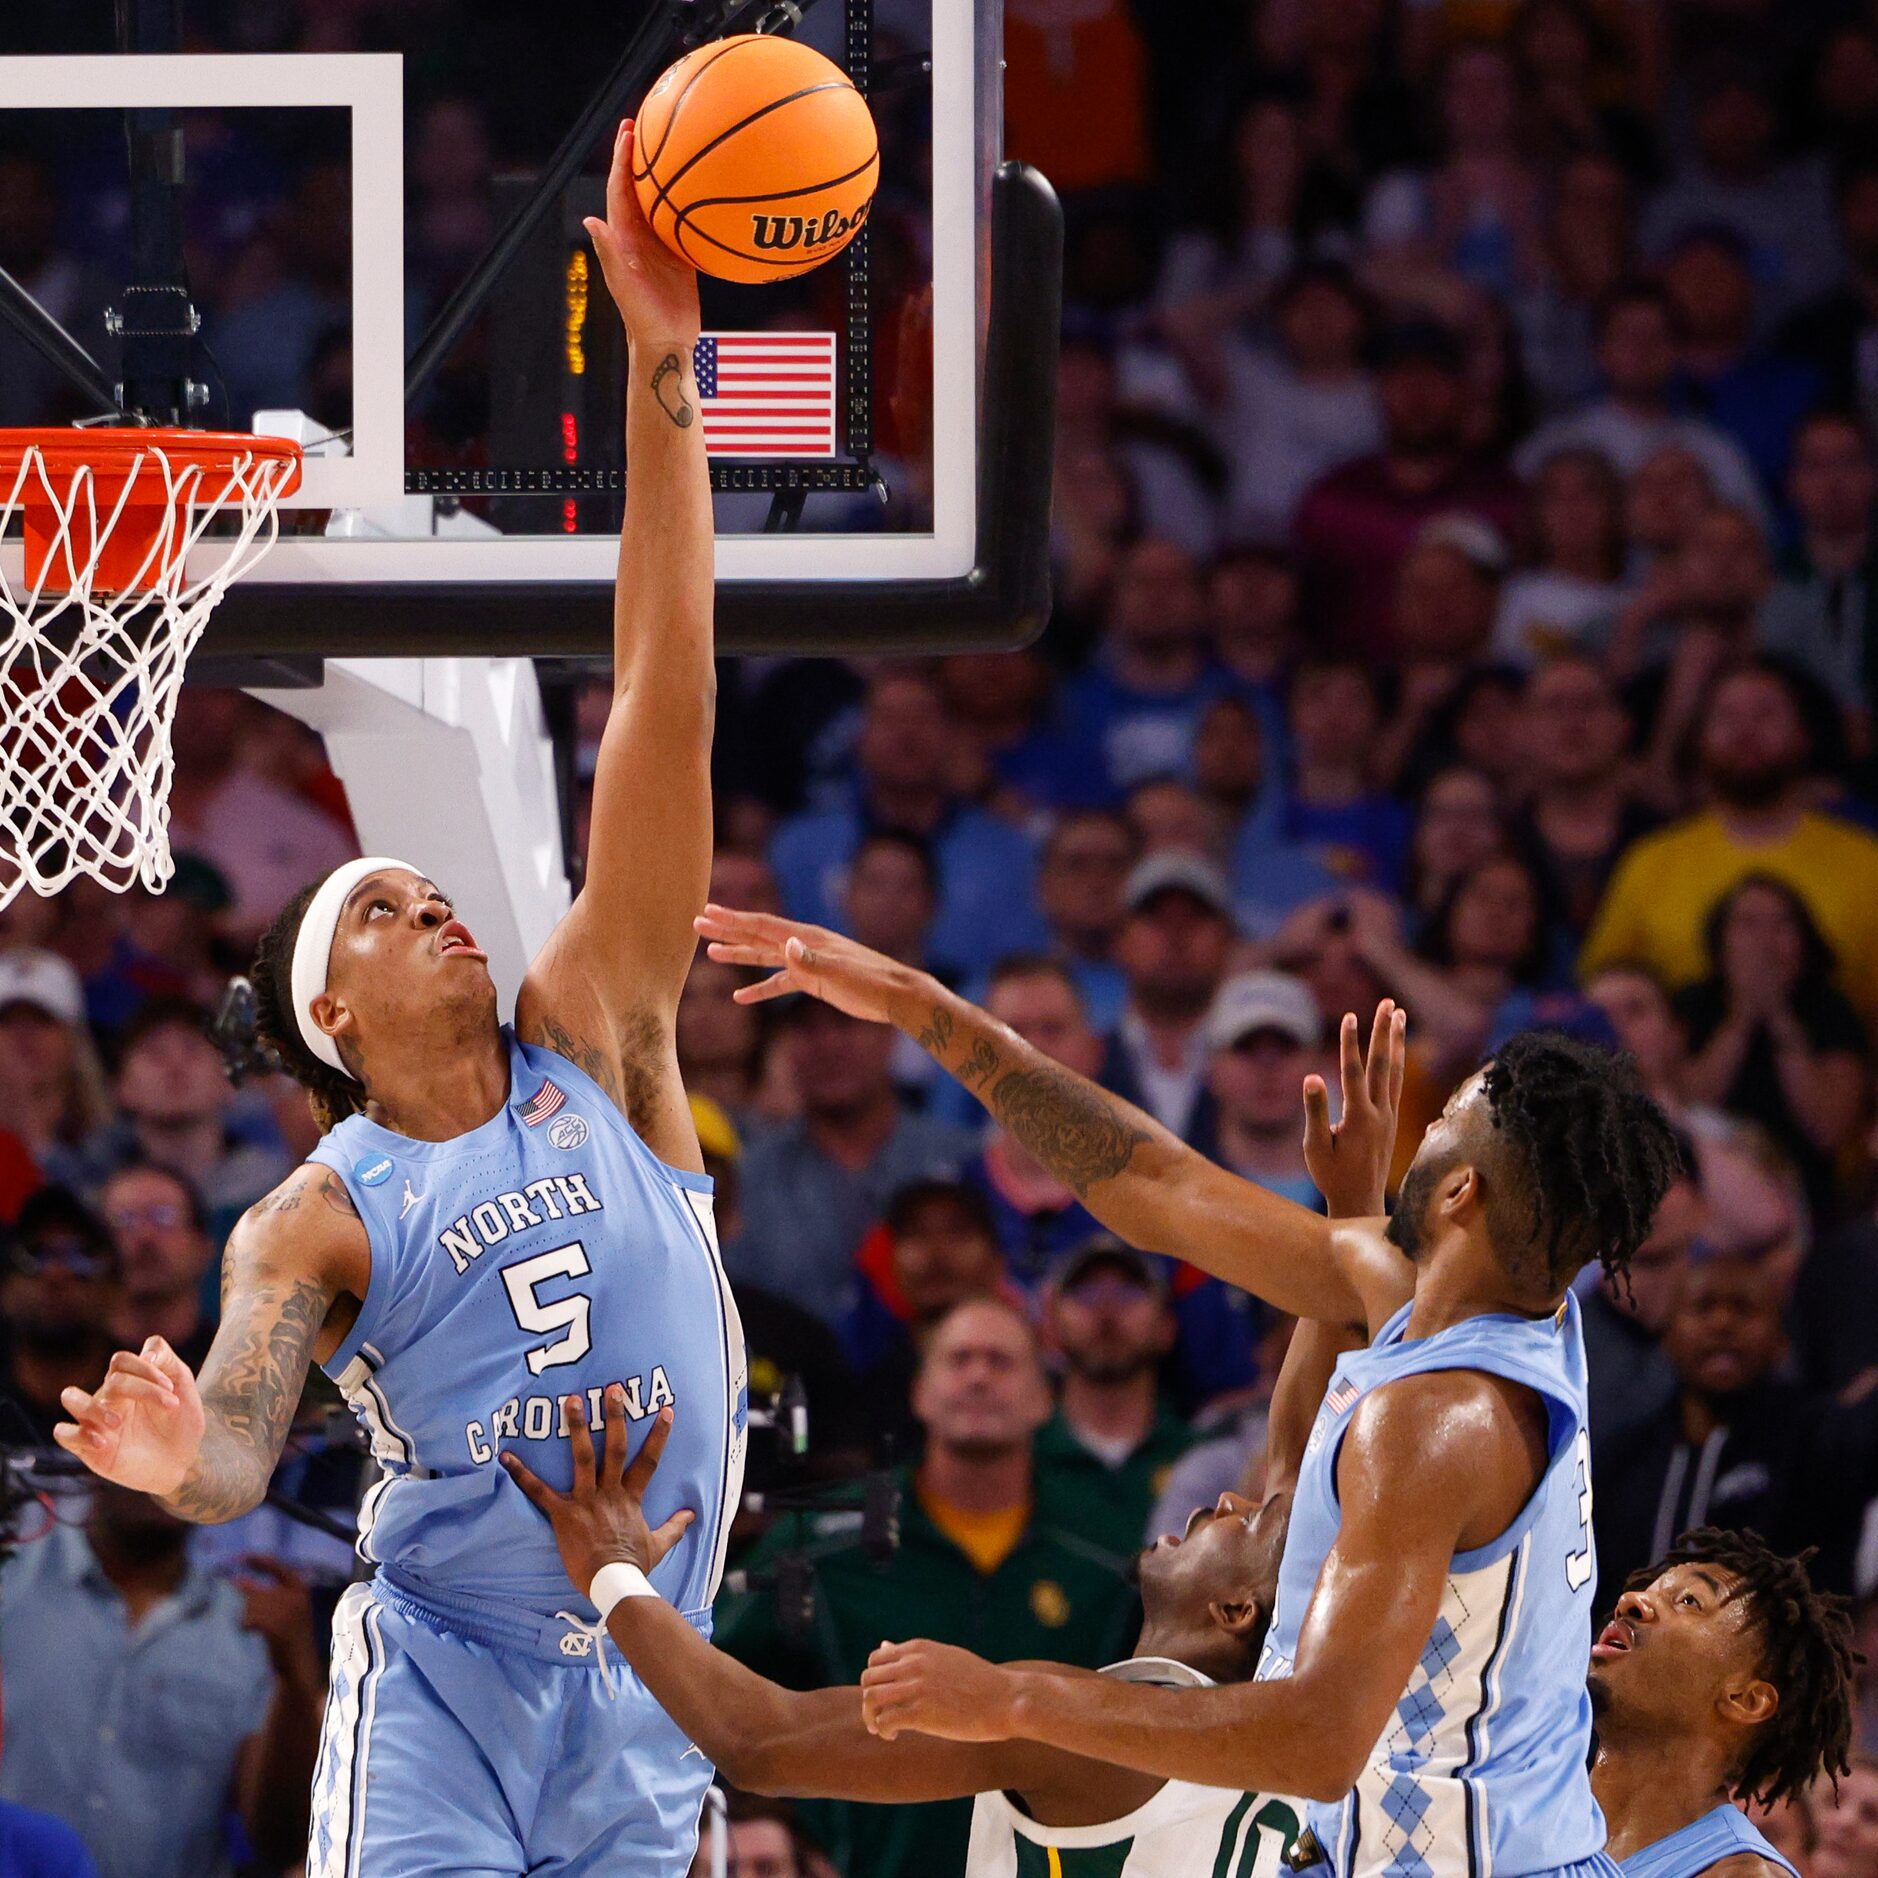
142	1426
655	291
804	958
601	1519
934	1689
1349	1159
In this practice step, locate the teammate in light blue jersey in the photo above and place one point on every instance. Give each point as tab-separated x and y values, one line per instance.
497	1220
1424	1687
1723	1680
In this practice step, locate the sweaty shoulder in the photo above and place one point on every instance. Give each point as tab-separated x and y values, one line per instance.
1470	1442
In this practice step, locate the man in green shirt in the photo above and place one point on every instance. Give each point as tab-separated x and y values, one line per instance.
1103	1458
982	1562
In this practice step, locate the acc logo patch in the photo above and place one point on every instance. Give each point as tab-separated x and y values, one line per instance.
1048	1604
569	1131
372	1173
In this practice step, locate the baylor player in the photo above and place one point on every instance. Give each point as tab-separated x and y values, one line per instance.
1207	1597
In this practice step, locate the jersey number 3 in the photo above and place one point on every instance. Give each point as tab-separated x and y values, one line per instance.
1580	1564
524	1280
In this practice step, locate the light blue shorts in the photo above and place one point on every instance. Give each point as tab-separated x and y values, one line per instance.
475	1741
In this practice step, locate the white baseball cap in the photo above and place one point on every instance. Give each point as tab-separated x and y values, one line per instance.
1264	1001
44	980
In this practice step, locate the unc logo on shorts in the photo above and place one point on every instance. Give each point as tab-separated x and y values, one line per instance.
373	1173
576	1643
568	1132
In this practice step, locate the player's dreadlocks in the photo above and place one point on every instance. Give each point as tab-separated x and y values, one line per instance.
331	1095
1806	1653
1595	1154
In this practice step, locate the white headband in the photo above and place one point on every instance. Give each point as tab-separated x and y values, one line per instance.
313	947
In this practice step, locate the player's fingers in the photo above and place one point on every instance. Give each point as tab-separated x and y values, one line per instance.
156	1350
1381	1027
87	1410
1349	1060
668	1535
778	986
1398	1058
141	1369
580	1440
530	1482
1316	1112
613	1414
646	1461
745	952
85	1442
738	924
124	1388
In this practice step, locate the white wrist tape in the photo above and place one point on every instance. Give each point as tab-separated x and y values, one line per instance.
614	1583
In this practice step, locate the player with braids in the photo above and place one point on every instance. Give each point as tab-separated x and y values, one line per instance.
1724	1676
1423	1680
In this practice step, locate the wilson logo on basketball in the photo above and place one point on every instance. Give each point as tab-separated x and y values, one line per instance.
782	233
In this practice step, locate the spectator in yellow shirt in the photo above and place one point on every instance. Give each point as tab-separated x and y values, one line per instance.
1752	761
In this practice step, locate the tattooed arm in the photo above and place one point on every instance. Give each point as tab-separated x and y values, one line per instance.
1139	1180
295	1269
604	991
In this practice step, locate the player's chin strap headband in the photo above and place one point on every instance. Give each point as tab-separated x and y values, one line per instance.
313	947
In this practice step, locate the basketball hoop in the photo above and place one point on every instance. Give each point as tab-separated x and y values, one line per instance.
94	639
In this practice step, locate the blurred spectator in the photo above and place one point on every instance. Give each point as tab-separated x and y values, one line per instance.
980	1563
1845	1822
64	284
1566	596
1229	770
35	1845
53	1095
888	902
1739	1446
1735	179
1169	816
1752	758
1264	1033
1101	1458
60	1297
1131	714
1336	800
936	1248
1757	396
812	1187
1253	599
1476	215
1355	527
1639	354
765	1841
1772	1038
451	212
1588	252
902	758
1075	93
1823	614
744	880
1287	414
1172	949
1665	496
266	841
1035	1215
1584	809
1457	825
168	946
179	1110
1834	332
1626	1318
1643	1020
997	702
720	1042
1086	861
142	1689
164	1248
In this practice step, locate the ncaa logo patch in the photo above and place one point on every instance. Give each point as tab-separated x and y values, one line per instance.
569	1131
372	1173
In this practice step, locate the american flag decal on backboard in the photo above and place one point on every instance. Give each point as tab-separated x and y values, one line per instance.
767	394
549	1097
1342	1397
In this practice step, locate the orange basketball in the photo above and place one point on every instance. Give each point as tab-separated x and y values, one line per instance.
756	158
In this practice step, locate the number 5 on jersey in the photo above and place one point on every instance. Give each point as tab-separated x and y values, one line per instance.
569	1314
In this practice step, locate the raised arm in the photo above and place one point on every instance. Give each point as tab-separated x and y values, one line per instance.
604	991
762	1737
1425	1466
207	1446
1138	1179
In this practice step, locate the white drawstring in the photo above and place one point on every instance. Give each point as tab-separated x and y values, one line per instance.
597	1632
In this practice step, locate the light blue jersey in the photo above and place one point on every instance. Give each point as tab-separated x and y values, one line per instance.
1481	1771
547	1253
1726	1832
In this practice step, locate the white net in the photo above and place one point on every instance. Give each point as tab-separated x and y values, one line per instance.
97	630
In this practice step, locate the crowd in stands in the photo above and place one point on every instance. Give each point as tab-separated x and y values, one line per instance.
1466	544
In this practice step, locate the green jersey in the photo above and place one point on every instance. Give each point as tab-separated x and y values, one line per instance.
1184	1831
